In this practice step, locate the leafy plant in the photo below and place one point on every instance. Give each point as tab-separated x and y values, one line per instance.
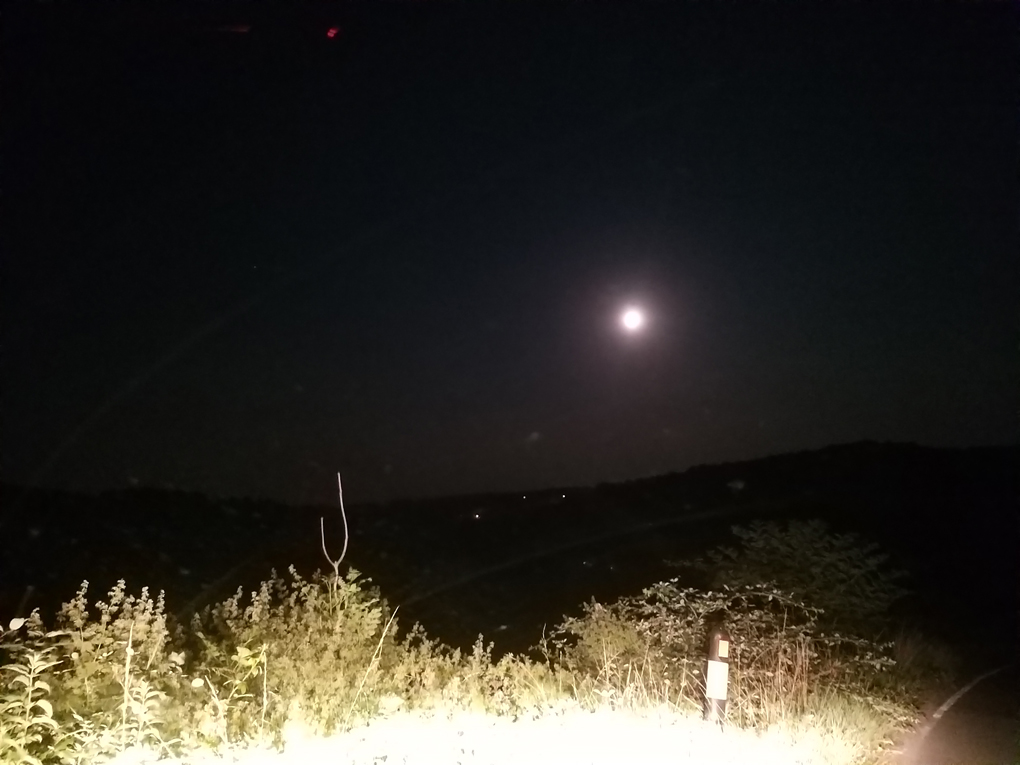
130	632
97	737
28	729
231	707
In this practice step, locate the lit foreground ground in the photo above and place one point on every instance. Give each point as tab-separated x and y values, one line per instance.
569	736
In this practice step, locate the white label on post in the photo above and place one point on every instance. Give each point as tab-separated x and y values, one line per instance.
718	672
724	649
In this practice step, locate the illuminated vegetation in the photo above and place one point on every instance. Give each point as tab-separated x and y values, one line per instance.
302	660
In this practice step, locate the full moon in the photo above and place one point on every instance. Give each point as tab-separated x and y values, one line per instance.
632	319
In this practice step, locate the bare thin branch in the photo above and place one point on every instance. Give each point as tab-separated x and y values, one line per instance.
322	531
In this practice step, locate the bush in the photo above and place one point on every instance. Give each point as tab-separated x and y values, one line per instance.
92	687
652	647
836	573
303	647
116	675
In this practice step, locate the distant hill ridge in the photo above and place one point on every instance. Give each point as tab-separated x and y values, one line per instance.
809	466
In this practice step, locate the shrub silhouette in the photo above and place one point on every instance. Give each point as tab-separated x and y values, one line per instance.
838	573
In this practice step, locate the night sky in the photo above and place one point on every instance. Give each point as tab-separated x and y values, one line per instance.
237	262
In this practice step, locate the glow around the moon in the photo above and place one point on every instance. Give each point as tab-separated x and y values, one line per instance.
632	319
